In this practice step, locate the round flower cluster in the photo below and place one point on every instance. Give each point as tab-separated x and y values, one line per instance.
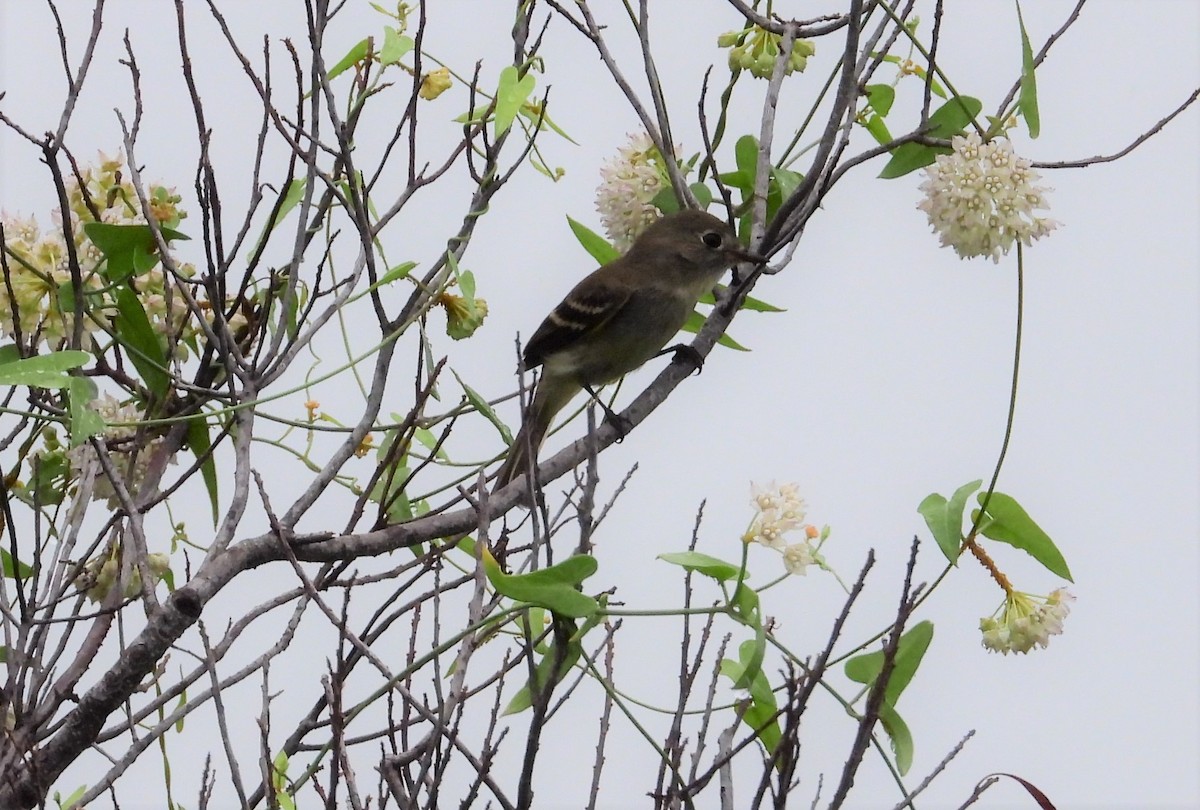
130	458
38	269
628	184
1025	622
756	49
981	198
779	510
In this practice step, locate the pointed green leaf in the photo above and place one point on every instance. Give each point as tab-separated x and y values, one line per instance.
899	736
750	304
947	121
745	153
944	518
199	442
44	370
704	564
137	335
511	93
127	249
395	46
84	422
880	97
879	131
595	244
1027	102
548	671
353	57
480	404
553	588
291	198
12	568
695	323
1007	522
865	668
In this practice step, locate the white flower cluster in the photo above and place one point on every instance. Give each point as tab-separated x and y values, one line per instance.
1026	622
130	458
982	198
779	510
38	268
628	183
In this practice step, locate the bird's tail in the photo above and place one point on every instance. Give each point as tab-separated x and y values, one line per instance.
551	396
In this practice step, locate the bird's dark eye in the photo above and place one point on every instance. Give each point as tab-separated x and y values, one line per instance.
712	239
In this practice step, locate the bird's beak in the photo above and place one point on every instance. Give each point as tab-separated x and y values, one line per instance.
745	256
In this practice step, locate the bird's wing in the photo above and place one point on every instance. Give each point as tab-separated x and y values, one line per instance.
586	308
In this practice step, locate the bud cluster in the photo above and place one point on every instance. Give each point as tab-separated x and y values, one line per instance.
756	50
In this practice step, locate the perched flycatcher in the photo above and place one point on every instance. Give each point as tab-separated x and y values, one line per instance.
620	316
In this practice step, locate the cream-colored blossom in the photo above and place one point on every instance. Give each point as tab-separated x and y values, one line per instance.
1025	622
982	198
628	183
797	557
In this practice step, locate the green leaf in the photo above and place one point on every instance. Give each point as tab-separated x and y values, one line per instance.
1007	522
83	420
480	404
595	244
745	605
695	323
553	588
665	201
746	673
944	518
1027	101
881	97
396	273
786	181
899	736
750	304
70	802
704	564
511	93
879	131
353	57
427	439
48	484
12	567
199	442
137	335
127	249
865	668
291	198
547	672
745	154
42	371
947	121
395	46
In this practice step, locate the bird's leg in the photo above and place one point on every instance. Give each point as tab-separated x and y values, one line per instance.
685	354
622	424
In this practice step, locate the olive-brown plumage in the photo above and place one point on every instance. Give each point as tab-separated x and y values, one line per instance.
620	316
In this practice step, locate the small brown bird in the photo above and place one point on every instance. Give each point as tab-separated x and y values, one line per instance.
620	316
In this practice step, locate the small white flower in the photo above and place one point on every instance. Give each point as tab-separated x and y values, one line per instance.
797	557
982	198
